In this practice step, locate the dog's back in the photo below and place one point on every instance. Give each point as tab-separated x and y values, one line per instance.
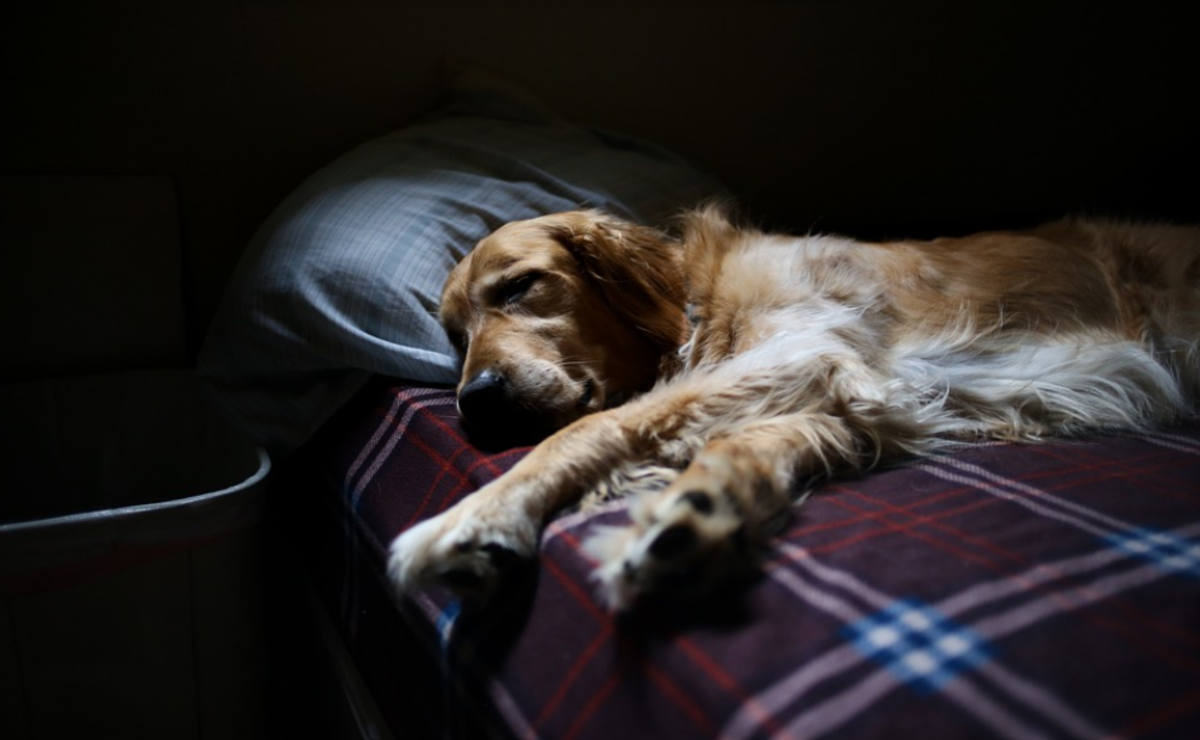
1028	332
815	356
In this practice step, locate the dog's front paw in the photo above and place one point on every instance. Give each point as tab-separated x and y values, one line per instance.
689	540
465	549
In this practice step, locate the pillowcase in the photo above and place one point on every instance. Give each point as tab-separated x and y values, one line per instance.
343	280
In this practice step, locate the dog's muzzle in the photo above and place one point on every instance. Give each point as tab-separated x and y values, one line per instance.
490	408
485	397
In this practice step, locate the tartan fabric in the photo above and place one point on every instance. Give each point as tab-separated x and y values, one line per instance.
1048	590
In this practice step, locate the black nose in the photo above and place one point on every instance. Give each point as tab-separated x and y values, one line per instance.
485	398
495	417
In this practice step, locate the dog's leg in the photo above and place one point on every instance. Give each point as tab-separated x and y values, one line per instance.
744	457
709	523
467	546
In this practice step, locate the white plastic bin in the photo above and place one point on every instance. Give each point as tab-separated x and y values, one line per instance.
130	572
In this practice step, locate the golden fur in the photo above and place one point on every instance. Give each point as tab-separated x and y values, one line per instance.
757	362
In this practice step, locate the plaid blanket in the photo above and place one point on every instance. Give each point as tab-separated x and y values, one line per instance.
1048	590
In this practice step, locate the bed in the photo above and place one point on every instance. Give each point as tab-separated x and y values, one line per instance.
1001	591
1015	591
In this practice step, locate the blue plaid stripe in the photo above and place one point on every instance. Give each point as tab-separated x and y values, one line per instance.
445	622
1168	551
918	644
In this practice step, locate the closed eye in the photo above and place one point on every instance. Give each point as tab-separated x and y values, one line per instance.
458	339
513	290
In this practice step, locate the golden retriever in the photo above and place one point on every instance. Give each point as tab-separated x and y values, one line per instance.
718	373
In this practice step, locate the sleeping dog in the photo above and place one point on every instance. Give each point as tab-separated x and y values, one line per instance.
719	373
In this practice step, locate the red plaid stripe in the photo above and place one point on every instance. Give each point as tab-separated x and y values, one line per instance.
1067	562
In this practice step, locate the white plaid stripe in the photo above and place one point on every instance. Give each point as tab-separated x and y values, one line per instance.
1028	694
1176	442
393	432
1172	551
918	644
1129	550
994	715
830	714
389	431
1025	495
378	451
1169	551
836	662
983	688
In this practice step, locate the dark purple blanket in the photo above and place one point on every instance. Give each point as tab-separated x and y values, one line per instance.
1048	590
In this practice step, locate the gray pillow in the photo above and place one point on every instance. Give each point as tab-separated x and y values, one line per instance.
342	281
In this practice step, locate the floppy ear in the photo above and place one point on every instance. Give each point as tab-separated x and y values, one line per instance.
708	235
638	269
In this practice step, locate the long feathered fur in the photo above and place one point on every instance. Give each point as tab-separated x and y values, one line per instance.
806	357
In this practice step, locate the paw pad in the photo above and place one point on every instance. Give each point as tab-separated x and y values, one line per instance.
501	557
462	579
701	501
674	542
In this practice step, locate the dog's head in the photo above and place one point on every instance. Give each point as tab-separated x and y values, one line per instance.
560	316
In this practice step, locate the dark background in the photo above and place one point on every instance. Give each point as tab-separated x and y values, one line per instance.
873	119
143	143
